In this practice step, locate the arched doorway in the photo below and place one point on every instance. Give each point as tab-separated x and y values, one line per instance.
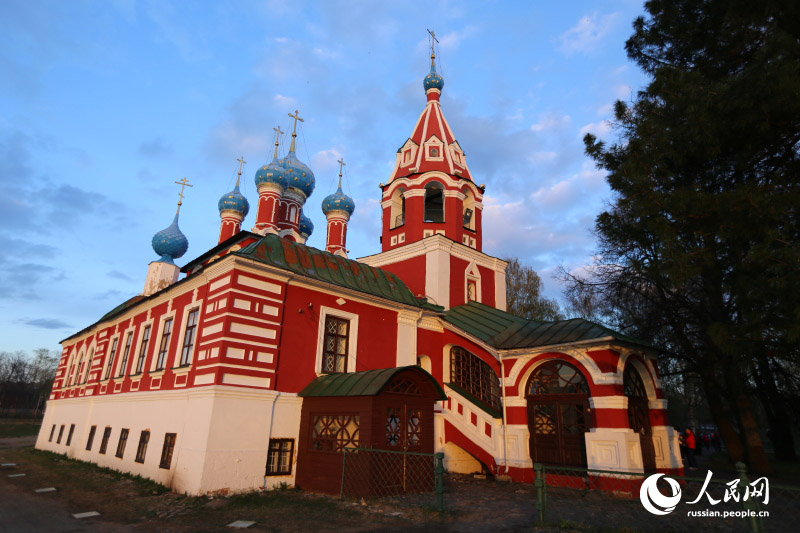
639	415
558	414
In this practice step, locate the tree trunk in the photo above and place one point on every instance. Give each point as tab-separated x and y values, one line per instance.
755	457
780	432
722	417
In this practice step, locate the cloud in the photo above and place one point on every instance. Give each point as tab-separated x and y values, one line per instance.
47	323
155	148
551	121
587	33
599	129
118	275
284	101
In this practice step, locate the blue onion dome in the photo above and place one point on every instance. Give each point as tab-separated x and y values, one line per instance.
234	201
306	226
272	172
433	80
170	243
338	201
298	174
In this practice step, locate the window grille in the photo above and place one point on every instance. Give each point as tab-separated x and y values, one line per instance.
279	458
91	438
88	366
164	346
188	338
143	350
555	377
475	376
111	356
166	452
125	354
336	344
333	433
123	440
104	442
144	438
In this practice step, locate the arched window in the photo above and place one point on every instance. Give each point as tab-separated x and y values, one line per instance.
434	202
639	415
476	377
557	377
398	208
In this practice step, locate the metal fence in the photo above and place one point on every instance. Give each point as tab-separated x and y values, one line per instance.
611	499
406	477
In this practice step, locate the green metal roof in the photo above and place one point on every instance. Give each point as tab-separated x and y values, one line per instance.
505	331
366	383
325	266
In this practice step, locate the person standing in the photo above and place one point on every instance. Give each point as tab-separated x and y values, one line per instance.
691	446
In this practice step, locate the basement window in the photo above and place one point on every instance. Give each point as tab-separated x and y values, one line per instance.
166	452
144	438
91	438
279	458
104	442
123	440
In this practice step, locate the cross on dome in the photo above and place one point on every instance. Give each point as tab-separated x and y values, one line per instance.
183	183
296	117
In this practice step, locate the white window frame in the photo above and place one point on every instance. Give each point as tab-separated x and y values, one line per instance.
352	345
119	372
109	351
176	359
138	349
161	321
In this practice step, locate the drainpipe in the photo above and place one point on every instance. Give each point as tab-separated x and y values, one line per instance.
269	433
505	419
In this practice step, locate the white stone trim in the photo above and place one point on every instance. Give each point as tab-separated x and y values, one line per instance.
352	348
608	402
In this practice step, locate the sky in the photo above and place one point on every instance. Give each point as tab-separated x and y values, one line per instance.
104	104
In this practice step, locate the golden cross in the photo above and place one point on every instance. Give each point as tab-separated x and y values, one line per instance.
296	117
242	162
341	164
433	38
278	134
183	183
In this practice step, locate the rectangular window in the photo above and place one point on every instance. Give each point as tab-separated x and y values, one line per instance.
188	338
144	438
143	350
336	342
91	438
123	440
333	433
52	432
166	453
111	357
60	434
125	354
279	458
69	436
164	346
104	442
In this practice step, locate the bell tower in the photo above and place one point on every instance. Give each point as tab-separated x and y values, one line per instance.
432	214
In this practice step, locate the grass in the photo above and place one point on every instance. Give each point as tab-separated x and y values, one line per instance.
84	486
19	427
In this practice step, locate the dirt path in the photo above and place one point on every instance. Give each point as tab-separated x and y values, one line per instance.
17	442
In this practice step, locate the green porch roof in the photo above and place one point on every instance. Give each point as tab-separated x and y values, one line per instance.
324	266
505	331
365	383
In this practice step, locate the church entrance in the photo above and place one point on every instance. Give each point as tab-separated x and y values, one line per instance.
639	416
558	414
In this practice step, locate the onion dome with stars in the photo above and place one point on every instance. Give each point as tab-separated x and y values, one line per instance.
306	226
338	201
433	80
170	243
298	175
273	172
234	201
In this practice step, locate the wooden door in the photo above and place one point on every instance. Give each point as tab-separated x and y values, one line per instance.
557	425
639	416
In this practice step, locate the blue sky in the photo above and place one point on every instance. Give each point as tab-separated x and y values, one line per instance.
104	104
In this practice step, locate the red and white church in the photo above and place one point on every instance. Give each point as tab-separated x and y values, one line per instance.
268	357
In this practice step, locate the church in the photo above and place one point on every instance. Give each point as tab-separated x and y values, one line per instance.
256	363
